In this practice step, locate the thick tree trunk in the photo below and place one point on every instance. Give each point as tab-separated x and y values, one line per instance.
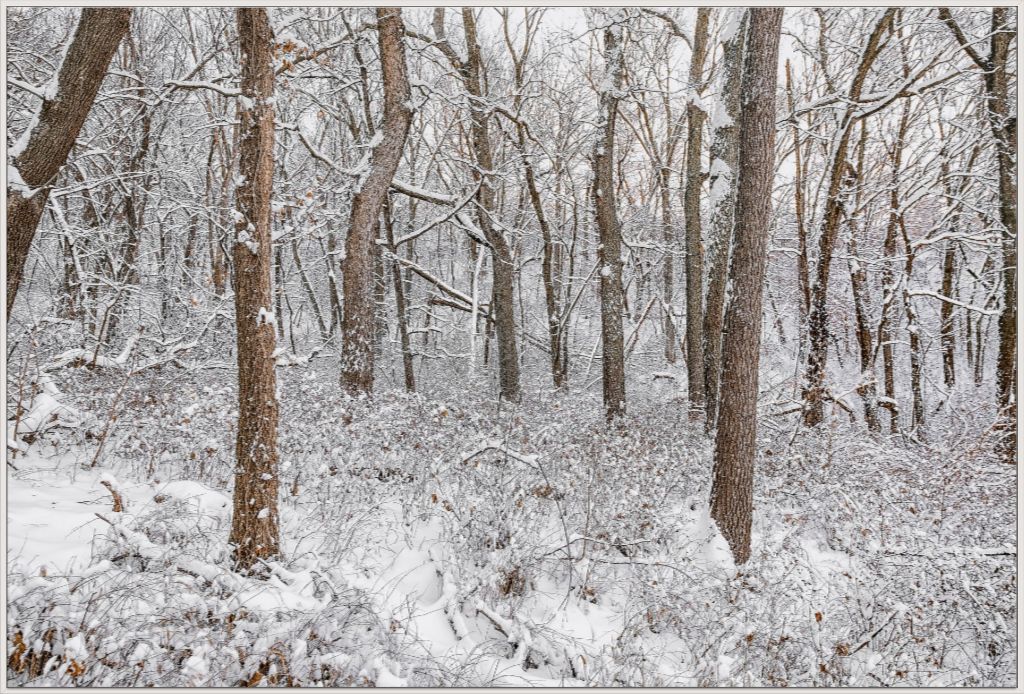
254	523
725	153
613	371
694	243
358	323
732	489
41	152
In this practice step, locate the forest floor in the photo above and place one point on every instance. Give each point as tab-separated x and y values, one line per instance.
443	540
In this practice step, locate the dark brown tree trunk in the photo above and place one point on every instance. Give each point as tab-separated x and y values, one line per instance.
254	523
914	332
613	371
732	491
802	264
868	388
358	324
502	308
59	121
817	324
948	335
668	237
725	153
1004	130
400	303
888	321
694	243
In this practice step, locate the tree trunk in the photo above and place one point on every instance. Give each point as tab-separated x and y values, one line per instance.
254	524
732	492
817	324
400	303
725	152
802	264
41	151
503	306
694	243
610	249
358	324
1004	128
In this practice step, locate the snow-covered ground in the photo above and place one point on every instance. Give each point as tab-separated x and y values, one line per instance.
445	541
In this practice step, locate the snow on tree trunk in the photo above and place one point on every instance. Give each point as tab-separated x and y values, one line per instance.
40	152
610	248
725	150
358	276
254	521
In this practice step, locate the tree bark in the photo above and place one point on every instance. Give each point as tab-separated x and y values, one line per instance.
49	141
400	302
358	277
817	358
613	372
254	524
725	152
694	243
736	436
503	308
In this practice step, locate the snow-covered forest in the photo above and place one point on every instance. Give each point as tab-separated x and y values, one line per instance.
511	346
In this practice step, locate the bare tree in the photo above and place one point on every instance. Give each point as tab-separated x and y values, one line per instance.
725	152
610	239
254	522
814	391
358	324
694	243
1004	131
43	148
736	437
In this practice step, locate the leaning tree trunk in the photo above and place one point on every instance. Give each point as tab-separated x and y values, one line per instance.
613	370
732	492
694	243
41	151
817	324
254	522
358	279
725	153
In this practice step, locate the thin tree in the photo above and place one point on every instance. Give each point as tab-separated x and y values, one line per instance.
358	324
40	152
995	68
254	523
817	358
691	196
503	311
736	437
